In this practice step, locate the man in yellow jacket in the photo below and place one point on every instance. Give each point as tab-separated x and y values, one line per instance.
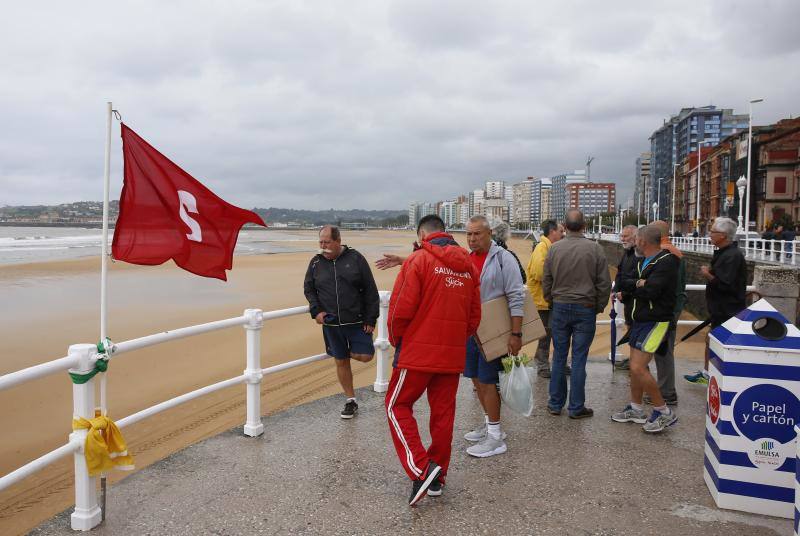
551	232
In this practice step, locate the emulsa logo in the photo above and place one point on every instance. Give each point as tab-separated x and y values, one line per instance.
766	414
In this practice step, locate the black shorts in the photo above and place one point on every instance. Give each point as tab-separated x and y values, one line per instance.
341	341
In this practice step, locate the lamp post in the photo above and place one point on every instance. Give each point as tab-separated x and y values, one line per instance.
749	150
638	210
658	200
655	210
741	184
672	201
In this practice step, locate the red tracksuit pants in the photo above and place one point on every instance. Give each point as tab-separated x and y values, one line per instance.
405	388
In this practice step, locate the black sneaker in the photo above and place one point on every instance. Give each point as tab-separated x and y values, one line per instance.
567	370
544	373
583	413
350	409
435	488
419	488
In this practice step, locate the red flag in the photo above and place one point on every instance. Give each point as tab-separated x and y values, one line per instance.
164	213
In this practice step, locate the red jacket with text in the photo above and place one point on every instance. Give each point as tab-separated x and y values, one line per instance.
435	307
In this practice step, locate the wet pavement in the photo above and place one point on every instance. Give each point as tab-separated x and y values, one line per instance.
314	473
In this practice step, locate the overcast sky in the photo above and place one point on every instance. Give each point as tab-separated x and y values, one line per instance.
372	104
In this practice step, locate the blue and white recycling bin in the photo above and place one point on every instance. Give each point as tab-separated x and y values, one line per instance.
753	407
797	486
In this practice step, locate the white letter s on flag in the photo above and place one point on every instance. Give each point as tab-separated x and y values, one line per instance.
189	203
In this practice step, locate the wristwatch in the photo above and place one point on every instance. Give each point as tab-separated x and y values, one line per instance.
514	334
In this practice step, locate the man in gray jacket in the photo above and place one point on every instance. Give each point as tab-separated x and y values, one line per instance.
577	284
500	276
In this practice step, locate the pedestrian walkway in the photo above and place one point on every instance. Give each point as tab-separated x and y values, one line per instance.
313	473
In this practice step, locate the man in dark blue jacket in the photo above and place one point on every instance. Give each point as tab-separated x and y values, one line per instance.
653	308
343	298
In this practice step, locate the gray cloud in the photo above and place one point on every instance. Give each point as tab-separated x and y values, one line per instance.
372	104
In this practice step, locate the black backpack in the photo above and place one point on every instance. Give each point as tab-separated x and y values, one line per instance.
521	269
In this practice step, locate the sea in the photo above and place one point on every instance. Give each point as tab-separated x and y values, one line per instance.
21	245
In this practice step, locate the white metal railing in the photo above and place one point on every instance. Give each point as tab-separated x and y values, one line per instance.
757	249
81	359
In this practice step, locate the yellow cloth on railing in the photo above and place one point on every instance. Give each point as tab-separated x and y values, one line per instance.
105	447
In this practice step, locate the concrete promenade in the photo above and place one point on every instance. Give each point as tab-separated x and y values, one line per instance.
313	473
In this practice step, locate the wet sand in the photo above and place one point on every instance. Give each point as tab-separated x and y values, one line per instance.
48	306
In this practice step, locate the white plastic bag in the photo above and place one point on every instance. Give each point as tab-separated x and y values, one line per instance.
516	389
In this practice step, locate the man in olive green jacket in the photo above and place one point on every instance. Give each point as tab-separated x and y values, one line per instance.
665	355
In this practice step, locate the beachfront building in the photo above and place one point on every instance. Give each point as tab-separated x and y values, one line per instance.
448	211
522	197
672	142
540	200
495	189
641	182
476	202
592	198
558	196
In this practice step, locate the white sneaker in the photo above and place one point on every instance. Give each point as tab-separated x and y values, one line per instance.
479	434
488	447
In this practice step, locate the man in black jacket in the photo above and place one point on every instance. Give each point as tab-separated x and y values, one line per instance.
627	276
343	298
726	282
652	310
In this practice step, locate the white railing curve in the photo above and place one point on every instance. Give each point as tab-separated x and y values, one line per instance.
81	359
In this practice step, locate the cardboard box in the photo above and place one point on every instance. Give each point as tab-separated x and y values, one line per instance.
495	326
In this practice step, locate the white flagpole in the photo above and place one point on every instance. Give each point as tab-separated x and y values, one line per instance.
104	254
104	286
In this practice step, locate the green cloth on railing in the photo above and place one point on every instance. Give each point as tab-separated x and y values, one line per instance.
101	365
104	348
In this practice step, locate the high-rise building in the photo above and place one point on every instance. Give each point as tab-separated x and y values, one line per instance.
476	202
495	189
540	189
546	210
558	196
592	198
679	135
508	195
642	181
496	208
449	213
521	203
413	214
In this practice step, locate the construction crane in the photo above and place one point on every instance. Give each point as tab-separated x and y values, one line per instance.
589	161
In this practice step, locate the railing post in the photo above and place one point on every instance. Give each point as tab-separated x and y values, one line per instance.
87	513
253	426
382	364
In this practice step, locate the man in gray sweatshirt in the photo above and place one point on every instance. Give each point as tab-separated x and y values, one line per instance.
577	284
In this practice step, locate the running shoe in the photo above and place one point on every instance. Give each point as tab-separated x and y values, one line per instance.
543	373
488	447
625	364
350	409
420	487
698	378
630	415
479	434
658	421
435	489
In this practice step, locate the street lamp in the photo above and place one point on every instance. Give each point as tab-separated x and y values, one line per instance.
655	210
749	150
741	184
638	210
672	201
658	201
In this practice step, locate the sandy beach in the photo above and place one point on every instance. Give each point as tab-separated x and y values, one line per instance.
48	306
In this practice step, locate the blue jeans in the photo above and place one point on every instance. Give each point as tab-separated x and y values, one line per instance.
570	322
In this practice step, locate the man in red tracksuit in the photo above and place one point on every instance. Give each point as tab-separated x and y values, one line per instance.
435	307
